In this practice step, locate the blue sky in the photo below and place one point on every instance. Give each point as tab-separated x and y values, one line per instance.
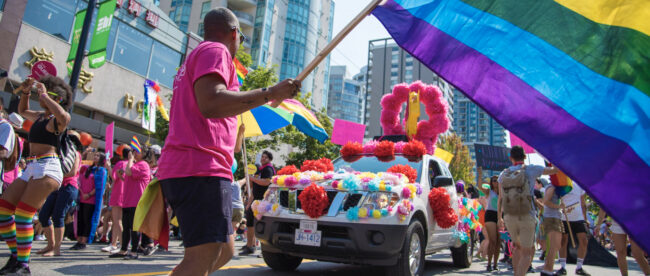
353	50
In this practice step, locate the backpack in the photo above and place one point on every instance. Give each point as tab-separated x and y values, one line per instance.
516	198
66	149
9	163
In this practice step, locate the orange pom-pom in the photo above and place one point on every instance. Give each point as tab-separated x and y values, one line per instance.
385	148
291	169
407	170
85	138
351	149
414	148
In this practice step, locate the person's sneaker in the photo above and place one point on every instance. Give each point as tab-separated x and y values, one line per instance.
541	257
504	259
530	270
76	246
11	263
495	268
243	247
489	268
582	272
20	269
131	257
109	248
117	255
117	249
561	271
149	250
247	251
39	238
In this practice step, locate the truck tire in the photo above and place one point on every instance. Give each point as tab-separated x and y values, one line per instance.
411	261
281	262
462	256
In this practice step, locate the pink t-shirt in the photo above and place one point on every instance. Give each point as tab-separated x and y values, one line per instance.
117	191
73	180
197	146
135	184
86	185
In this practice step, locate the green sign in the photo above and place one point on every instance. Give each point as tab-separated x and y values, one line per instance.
97	51
76	35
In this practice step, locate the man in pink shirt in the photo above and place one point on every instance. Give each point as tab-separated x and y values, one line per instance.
195	164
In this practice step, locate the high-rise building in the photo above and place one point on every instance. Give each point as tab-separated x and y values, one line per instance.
388	65
188	14
346	96
475	126
286	33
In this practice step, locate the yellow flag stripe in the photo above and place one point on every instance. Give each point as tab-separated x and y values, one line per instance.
633	14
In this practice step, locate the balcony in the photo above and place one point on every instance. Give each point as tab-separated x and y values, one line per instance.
242	4
244	18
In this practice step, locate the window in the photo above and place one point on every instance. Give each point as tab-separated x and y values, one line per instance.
394	74
164	61
200	31
205	8
52	16
2	5
132	49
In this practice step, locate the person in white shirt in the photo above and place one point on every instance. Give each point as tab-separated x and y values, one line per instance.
577	214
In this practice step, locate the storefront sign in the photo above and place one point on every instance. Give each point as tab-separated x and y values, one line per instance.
136	9
84	78
38	55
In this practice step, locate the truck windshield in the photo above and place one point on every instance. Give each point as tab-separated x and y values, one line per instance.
371	164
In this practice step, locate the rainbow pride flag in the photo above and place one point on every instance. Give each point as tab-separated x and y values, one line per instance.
570	78
562	183
135	144
241	71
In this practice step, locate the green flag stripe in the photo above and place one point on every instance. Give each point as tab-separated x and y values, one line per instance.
619	53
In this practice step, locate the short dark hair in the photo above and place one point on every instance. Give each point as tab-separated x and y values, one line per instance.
60	87
125	152
517	153
219	20
268	154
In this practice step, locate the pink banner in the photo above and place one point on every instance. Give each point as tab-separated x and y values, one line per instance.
109	140
346	131
516	141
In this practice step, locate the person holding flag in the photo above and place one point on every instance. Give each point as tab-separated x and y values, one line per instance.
195	164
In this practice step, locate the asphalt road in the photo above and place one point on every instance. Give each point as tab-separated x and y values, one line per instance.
94	262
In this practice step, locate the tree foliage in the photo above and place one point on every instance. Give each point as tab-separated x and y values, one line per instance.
461	165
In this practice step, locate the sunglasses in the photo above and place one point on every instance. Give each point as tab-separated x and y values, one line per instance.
242	36
55	96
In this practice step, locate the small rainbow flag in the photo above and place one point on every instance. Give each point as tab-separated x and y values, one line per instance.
562	183
241	71
135	144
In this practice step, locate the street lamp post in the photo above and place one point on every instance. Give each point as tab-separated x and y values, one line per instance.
81	49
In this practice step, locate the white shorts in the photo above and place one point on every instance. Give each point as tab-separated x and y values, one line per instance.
38	169
616	229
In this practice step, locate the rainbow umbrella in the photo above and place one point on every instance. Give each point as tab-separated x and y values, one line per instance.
263	120
304	120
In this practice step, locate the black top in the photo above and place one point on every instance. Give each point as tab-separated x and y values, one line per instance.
39	134
265	173
538	194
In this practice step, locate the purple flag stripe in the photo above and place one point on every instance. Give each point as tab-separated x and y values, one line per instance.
607	168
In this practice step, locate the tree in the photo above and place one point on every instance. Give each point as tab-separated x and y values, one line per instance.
244	57
461	165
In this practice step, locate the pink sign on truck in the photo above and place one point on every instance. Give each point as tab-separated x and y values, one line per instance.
346	131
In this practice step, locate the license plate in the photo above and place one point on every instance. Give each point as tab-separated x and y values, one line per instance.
308	234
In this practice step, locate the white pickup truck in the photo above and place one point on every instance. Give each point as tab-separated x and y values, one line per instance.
289	235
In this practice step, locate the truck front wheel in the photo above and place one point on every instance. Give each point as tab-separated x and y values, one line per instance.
281	262
411	261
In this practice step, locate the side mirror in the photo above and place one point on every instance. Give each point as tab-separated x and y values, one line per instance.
442	181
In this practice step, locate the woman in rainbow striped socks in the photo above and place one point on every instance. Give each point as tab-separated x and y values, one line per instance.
43	174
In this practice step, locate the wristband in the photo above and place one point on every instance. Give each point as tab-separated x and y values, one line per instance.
266	98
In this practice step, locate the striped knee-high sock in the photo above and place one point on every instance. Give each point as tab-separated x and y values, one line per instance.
24	230
7	224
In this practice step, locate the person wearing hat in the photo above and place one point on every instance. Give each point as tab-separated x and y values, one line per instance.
56	206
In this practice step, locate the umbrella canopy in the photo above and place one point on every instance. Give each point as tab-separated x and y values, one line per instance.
304	120
263	120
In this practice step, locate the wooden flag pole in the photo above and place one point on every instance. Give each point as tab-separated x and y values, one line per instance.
243	150
573	242
330	46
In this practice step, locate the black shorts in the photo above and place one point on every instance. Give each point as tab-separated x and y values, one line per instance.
203	207
491	216
576	227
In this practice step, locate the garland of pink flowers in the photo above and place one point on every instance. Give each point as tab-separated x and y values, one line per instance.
435	107
384	149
